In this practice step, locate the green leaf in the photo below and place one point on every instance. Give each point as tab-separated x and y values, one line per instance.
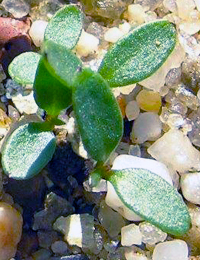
23	68
50	94
98	115
153	198
28	149
139	54
65	27
62	63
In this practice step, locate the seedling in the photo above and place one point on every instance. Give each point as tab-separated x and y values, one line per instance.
60	80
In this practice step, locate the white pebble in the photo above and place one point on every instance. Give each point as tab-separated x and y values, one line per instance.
113	34
87	44
190	186
131	235
147	126
125	27
171	250
175	150
37	32
25	104
184	8
132	110
136	13
190	27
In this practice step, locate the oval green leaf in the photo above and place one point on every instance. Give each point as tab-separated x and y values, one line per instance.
49	93
23	68
28	149
139	54
153	198
62	63
98	115
65	27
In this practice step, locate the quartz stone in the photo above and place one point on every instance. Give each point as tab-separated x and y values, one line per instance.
54	207
112	221
147	126
175	150
78	229
106	8
17	8
131	234
171	250
151	234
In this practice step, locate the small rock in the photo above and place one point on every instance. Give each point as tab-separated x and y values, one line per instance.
41	254
18	8
151	234
54	207
130	235
78	229
175	150
70	257
87	44
25	104
132	110
171	250
10	230
110	220
190	186
36	32
60	248
147	126
113	34
149	100
46	238
136	13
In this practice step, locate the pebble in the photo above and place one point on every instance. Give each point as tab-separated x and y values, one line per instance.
136	13
46	238
190	186
113	34
132	110
70	257
78	229
146	127
112	221
36	32
130	254
151	234
60	248
149	100
87	44
25	104
184	8
41	254
11	230
171	250
18	8
175	150
54	207
130	235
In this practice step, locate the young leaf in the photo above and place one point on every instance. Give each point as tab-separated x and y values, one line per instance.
152	198
65	27
97	113
23	68
28	149
50	94
62	63
139	54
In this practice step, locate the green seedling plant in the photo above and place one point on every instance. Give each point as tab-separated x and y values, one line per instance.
60	80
